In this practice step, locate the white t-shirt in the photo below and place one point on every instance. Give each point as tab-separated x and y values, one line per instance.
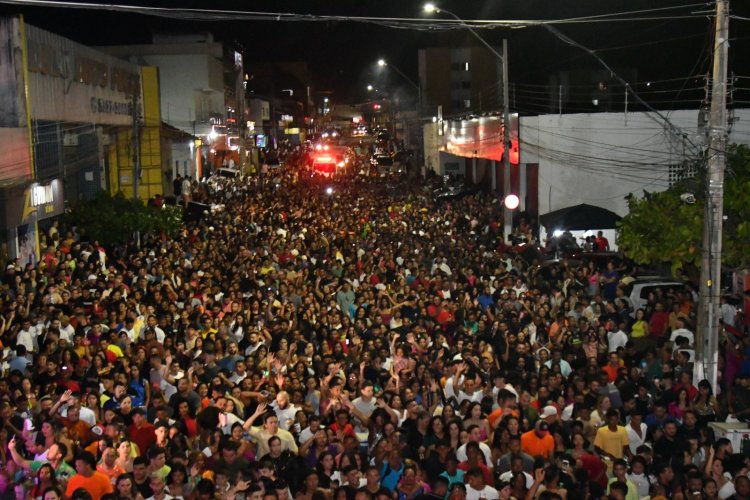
508	475
616	339
487	492
635	440
461	453
682	332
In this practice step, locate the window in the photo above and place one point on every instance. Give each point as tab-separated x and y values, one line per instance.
467	103
455	67
466	85
466	66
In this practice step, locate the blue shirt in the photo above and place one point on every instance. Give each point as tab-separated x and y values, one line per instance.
390	477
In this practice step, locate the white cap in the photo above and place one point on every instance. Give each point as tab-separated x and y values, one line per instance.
549	411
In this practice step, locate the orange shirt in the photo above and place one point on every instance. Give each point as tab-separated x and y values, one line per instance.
536	446
497	415
611	372
97	485
112	473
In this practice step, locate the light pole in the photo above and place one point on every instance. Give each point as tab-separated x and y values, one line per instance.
503	58
383	63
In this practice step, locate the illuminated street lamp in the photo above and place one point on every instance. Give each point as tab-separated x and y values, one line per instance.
383	63
369	88
503	58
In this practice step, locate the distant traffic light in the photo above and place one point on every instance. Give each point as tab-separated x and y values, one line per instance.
376	106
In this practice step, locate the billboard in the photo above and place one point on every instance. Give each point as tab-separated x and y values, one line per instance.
480	137
73	83
15	160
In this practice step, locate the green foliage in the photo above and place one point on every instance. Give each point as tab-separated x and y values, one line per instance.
660	228
114	219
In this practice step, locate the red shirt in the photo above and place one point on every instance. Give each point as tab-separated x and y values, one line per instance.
658	324
594	466
144	437
611	372
464	466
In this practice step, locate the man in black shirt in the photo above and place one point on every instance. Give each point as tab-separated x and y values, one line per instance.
141	478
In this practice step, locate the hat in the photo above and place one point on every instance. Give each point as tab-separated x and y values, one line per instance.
542	425
549	411
92	277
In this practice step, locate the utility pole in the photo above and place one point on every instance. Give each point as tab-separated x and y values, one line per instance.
707	344
136	144
508	214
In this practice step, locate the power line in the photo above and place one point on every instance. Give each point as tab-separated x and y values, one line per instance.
212	15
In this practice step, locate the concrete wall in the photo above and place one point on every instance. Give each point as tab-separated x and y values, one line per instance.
599	158
191	85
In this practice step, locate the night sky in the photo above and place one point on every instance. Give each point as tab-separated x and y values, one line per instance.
342	54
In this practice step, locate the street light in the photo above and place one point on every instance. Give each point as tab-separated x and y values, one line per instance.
383	63
503	58
369	88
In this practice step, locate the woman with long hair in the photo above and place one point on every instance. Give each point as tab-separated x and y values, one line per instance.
246	449
45	478
598	416
126	452
186	417
435	432
138	387
327	472
410	486
705	405
454	429
177	482
678	408
125	488
474	416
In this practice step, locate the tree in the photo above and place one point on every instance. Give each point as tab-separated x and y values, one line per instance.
112	220
661	228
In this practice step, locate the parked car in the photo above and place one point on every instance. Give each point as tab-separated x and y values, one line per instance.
640	288
383	163
455	191
222	176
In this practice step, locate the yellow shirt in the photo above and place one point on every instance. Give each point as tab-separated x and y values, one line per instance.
612	442
638	330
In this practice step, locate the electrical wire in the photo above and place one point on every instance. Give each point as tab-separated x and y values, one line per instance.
212	15
677	132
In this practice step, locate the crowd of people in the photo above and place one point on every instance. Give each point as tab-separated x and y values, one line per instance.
359	342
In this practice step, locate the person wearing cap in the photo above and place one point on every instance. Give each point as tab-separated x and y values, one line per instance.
549	415
538	441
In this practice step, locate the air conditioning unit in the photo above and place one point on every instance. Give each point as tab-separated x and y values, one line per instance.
70	139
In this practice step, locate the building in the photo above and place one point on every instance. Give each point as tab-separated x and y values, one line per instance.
76	121
202	93
287	88
564	160
473	82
